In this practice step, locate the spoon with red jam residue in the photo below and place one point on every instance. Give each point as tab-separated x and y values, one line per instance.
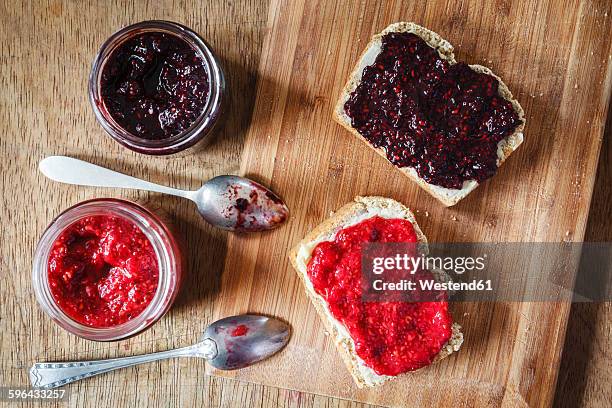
229	202
227	344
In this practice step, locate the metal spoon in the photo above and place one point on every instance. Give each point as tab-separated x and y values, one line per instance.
228	202
227	344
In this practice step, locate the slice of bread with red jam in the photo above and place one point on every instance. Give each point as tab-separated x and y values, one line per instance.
445	124
376	340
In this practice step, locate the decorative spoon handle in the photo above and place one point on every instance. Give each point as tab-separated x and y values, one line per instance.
74	171
52	375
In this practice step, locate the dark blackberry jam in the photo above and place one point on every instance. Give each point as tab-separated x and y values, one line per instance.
443	120
155	85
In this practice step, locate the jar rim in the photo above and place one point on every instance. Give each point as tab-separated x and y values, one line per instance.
155	231
198	129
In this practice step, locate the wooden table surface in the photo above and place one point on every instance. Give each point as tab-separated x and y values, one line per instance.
46	49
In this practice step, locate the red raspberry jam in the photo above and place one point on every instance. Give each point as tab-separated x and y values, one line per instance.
102	271
390	337
240	330
155	85
443	120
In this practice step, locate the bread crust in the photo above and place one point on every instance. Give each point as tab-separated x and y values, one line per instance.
448	197
345	216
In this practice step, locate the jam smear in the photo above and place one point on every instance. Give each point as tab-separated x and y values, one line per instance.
240	331
443	120
102	271
155	85
390	337
254	208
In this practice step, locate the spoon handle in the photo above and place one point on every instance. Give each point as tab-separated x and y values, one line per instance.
73	171
52	375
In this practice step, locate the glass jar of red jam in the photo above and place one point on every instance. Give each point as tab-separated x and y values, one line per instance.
106	269
157	88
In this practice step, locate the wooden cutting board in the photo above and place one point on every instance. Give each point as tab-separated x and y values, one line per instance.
555	57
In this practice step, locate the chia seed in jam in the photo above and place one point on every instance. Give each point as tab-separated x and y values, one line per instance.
155	85
444	120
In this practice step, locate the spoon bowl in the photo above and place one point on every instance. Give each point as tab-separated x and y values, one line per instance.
239	204
246	339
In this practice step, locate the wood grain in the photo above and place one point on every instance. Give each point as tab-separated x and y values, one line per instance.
46	51
586	365
46	48
512	351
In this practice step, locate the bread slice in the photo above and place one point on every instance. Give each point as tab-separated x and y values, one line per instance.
505	147
352	213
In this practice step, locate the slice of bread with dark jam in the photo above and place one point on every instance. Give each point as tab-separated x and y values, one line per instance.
447	146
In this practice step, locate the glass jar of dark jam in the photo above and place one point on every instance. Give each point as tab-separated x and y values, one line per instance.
157	88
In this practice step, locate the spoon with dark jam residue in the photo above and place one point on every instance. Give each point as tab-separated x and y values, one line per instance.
229	202
227	344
